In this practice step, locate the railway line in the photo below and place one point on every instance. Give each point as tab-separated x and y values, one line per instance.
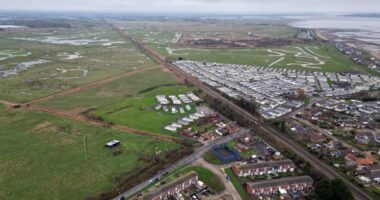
322	167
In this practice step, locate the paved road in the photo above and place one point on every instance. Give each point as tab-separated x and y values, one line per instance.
184	161
230	189
323	168
328	135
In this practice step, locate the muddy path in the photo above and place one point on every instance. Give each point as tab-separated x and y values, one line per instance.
98	123
91	85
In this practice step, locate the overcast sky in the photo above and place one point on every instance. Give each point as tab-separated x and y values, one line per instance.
197	6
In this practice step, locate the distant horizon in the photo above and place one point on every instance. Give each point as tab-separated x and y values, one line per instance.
187	14
224	7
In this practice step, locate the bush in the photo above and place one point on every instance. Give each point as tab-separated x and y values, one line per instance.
332	190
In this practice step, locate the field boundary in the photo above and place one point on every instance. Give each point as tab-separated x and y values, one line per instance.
103	124
90	85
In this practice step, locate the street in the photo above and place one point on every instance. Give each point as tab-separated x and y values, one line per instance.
183	162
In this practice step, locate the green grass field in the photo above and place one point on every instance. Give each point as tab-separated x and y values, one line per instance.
210	158
2	106
112	92
41	80
139	111
323	57
129	101
317	56
46	157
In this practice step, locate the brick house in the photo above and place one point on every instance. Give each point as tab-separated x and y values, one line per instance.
263	168
173	188
241	147
352	160
295	183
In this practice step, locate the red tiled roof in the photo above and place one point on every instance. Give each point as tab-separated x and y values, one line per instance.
360	161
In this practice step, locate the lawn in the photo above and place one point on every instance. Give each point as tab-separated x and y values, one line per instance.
47	157
139	111
238	186
2	106
210	158
374	189
96	62
207	177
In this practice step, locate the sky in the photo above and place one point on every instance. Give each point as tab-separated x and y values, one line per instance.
197	6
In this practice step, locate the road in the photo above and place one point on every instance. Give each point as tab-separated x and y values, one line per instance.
230	189
328	135
184	161
323	168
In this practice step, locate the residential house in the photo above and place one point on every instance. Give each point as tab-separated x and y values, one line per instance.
174	188
317	137
373	173
253	169
359	162
295	183
241	147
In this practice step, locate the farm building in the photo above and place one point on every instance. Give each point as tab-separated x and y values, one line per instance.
112	143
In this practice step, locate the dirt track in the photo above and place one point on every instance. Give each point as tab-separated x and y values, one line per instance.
7	103
78	117
91	85
98	123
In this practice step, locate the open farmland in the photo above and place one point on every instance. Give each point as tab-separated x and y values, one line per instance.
47	157
39	63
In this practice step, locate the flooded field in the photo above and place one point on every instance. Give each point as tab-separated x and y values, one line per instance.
20	67
6	54
365	32
37	63
70	40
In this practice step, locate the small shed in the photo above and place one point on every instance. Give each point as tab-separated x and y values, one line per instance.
112	143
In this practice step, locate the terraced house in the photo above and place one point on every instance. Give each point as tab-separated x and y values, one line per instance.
173	188
254	169
289	184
